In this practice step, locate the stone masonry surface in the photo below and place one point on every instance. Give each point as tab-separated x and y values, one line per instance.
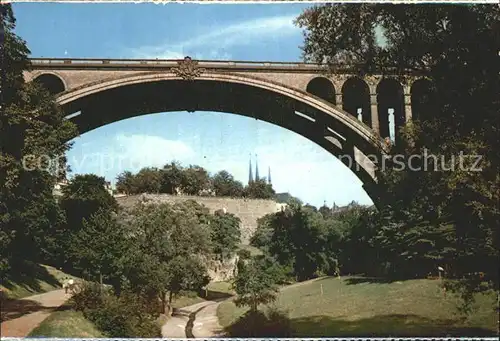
248	210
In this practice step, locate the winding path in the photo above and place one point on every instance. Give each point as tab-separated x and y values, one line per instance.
20	317
197	320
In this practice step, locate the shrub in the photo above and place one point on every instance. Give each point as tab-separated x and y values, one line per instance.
125	316
274	323
86	296
128	315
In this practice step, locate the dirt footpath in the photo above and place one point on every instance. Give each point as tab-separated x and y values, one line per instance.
197	320
20	317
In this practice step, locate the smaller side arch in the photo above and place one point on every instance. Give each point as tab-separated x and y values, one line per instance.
52	82
323	88
390	102
356	99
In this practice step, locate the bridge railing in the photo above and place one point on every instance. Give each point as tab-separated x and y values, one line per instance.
168	62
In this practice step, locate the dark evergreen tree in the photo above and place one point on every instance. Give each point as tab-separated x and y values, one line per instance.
33	133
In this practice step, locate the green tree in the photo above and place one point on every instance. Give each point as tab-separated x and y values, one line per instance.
148	180
264	232
82	197
259	189
125	183
98	248
256	281
225	234
299	241
226	186
172	178
167	238
455	47
186	273
33	134
195	180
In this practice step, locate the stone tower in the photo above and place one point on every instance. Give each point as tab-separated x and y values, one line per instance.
250	175
256	169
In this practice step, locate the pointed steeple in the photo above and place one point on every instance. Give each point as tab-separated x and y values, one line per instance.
250	175
269	175
256	169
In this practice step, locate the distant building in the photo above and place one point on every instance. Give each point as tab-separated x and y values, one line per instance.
58	188
250	171
207	192
250	175
108	187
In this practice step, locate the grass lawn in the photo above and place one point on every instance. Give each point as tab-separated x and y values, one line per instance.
215	290
221	288
66	323
31	279
186	299
354	306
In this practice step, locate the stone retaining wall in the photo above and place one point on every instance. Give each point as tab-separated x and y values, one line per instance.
248	210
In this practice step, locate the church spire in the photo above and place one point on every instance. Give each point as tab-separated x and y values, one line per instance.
269	175
250	175
256	169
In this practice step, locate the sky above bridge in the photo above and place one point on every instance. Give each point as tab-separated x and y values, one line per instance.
215	141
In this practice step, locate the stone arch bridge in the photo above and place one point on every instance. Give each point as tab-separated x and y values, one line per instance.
345	114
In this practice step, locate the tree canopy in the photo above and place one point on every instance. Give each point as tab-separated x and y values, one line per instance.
33	133
195	180
452	210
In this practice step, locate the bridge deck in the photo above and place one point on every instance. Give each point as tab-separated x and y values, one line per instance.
94	63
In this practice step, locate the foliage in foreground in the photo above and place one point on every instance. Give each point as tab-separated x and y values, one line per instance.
272	323
127	315
257	281
33	133
156	250
66	323
443	206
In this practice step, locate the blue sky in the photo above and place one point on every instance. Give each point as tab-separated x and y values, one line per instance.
215	141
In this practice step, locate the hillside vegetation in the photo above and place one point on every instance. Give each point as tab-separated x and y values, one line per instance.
31	279
66	323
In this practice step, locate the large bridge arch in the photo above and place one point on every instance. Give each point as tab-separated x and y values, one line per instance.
106	101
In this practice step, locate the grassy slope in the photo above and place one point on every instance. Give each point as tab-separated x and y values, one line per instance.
216	290
356	307
66	323
32	279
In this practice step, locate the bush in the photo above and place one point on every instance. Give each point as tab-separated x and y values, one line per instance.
125	316
274	323
128	315
86	296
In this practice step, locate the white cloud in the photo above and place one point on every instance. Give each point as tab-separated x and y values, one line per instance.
213	43
297	166
147	150
129	152
311	175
